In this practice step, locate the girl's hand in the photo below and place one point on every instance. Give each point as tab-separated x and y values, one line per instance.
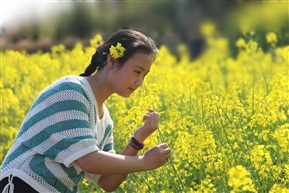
151	124
157	156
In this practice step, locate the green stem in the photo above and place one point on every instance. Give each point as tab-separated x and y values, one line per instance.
144	181
265	79
226	135
171	162
253	91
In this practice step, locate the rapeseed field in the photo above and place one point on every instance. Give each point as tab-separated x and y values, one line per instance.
225	118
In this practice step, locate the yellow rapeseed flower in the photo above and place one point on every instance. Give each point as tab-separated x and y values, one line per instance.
96	41
278	189
252	46
117	51
239	179
271	38
241	43
208	28
282	136
85	182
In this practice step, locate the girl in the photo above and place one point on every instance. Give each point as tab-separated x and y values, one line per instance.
67	133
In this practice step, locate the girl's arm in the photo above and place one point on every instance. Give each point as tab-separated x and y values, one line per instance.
108	164
112	182
114	168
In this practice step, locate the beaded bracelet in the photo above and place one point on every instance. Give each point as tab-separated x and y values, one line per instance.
135	144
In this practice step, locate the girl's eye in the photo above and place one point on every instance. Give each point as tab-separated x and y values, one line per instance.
136	71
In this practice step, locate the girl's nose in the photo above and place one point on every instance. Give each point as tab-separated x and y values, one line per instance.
139	82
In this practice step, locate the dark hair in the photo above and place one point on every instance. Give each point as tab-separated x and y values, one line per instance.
133	41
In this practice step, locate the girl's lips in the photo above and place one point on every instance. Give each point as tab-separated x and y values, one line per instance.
131	89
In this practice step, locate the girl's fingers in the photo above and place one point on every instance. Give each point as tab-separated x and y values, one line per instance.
145	117
151	114
163	145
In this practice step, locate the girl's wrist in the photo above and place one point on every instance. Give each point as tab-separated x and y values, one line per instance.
133	142
139	136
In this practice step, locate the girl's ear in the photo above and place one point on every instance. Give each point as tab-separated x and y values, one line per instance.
110	61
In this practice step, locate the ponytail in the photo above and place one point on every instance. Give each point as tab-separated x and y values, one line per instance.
96	63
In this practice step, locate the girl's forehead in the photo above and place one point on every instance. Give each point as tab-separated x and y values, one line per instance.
142	58
141	61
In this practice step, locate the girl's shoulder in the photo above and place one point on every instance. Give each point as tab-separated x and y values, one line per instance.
69	89
70	81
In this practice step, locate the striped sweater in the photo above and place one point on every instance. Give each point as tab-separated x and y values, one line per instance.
61	126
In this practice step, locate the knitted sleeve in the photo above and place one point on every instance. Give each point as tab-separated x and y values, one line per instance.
58	126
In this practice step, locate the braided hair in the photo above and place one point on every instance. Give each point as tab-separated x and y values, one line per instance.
133	41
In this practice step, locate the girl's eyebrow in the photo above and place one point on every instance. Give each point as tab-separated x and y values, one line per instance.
138	66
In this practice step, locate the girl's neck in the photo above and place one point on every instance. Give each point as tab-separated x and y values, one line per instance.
99	87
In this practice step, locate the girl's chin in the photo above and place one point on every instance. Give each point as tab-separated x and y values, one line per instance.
124	95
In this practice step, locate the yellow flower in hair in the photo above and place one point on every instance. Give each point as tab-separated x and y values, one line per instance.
117	51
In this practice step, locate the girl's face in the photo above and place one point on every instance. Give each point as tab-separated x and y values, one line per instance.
131	75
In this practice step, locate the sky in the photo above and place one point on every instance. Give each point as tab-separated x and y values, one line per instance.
15	12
